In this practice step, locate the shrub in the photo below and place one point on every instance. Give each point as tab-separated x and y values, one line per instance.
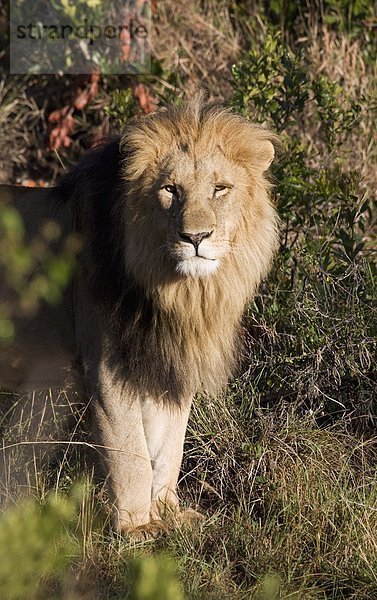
312	325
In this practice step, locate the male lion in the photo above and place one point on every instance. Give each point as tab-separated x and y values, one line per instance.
178	231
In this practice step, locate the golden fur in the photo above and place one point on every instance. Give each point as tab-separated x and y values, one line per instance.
198	317
178	231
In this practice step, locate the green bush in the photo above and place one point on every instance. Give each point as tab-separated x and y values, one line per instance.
37	545
314	318
34	271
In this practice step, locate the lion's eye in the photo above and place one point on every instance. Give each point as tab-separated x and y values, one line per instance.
220	190
171	189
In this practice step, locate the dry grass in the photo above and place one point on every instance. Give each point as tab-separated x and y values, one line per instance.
343	60
288	507
19	116
290	499
197	43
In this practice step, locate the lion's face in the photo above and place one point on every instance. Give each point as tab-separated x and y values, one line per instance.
196	182
199	202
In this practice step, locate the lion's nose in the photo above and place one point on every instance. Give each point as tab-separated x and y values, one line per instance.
194	238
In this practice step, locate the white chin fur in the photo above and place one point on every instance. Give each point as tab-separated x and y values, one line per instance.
196	267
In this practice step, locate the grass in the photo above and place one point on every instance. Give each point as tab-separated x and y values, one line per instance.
289	506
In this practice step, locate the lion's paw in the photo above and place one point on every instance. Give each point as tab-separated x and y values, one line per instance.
189	517
147	531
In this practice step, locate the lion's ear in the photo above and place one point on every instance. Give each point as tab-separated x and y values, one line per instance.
254	146
265	154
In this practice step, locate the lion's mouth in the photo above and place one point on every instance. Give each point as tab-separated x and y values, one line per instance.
197	266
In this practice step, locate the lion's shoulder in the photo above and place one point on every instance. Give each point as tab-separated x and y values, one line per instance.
96	174
93	188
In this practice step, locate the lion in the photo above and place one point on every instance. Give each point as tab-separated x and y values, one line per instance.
178	230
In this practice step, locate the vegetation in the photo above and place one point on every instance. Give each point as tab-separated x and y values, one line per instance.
283	464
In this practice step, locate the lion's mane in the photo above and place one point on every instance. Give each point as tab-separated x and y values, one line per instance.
167	335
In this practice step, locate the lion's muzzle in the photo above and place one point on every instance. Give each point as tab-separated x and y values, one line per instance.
195	238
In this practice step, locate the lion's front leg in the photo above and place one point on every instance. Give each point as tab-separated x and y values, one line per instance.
165	428
119	431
